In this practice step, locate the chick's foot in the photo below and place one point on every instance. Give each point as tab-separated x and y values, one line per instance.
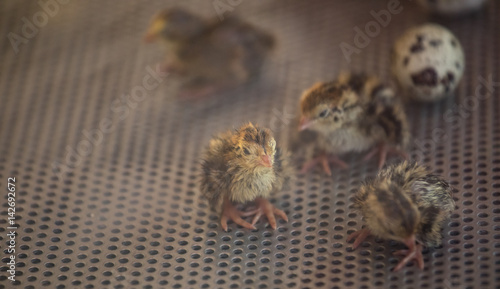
383	150
359	237
410	255
325	161
264	207
230	212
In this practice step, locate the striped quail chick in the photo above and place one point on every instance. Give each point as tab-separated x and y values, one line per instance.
244	166
404	203
354	113
209	55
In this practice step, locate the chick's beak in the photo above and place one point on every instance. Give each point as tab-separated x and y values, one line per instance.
266	161
304	123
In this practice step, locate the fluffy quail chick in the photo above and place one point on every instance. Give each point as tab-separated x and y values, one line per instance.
353	113
405	203
244	166
210	55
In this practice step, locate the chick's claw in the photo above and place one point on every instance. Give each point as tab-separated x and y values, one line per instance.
310	164
410	255
230	212
325	161
359	237
337	161
264	207
383	150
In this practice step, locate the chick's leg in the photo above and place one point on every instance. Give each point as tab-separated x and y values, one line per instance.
264	207
336	160
359	237
382	150
325	161
230	212
414	253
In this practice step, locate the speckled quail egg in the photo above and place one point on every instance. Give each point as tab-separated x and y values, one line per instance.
428	62
451	7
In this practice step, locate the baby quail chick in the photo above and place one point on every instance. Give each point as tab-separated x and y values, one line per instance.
211	55
405	203
244	166
354	113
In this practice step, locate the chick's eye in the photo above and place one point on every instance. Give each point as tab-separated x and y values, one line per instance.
246	151
323	113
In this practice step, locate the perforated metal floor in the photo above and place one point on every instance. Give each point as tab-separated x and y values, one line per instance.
106	189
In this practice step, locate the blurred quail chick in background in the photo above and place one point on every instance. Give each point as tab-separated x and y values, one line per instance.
209	55
354	113
404	203
243	166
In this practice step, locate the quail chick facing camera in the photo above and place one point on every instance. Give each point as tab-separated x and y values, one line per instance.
244	166
404	203
354	113
210	55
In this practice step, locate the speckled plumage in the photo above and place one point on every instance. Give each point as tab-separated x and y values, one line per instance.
215	52
353	113
405	201
233	168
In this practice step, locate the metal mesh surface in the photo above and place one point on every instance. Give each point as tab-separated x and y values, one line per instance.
106	189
